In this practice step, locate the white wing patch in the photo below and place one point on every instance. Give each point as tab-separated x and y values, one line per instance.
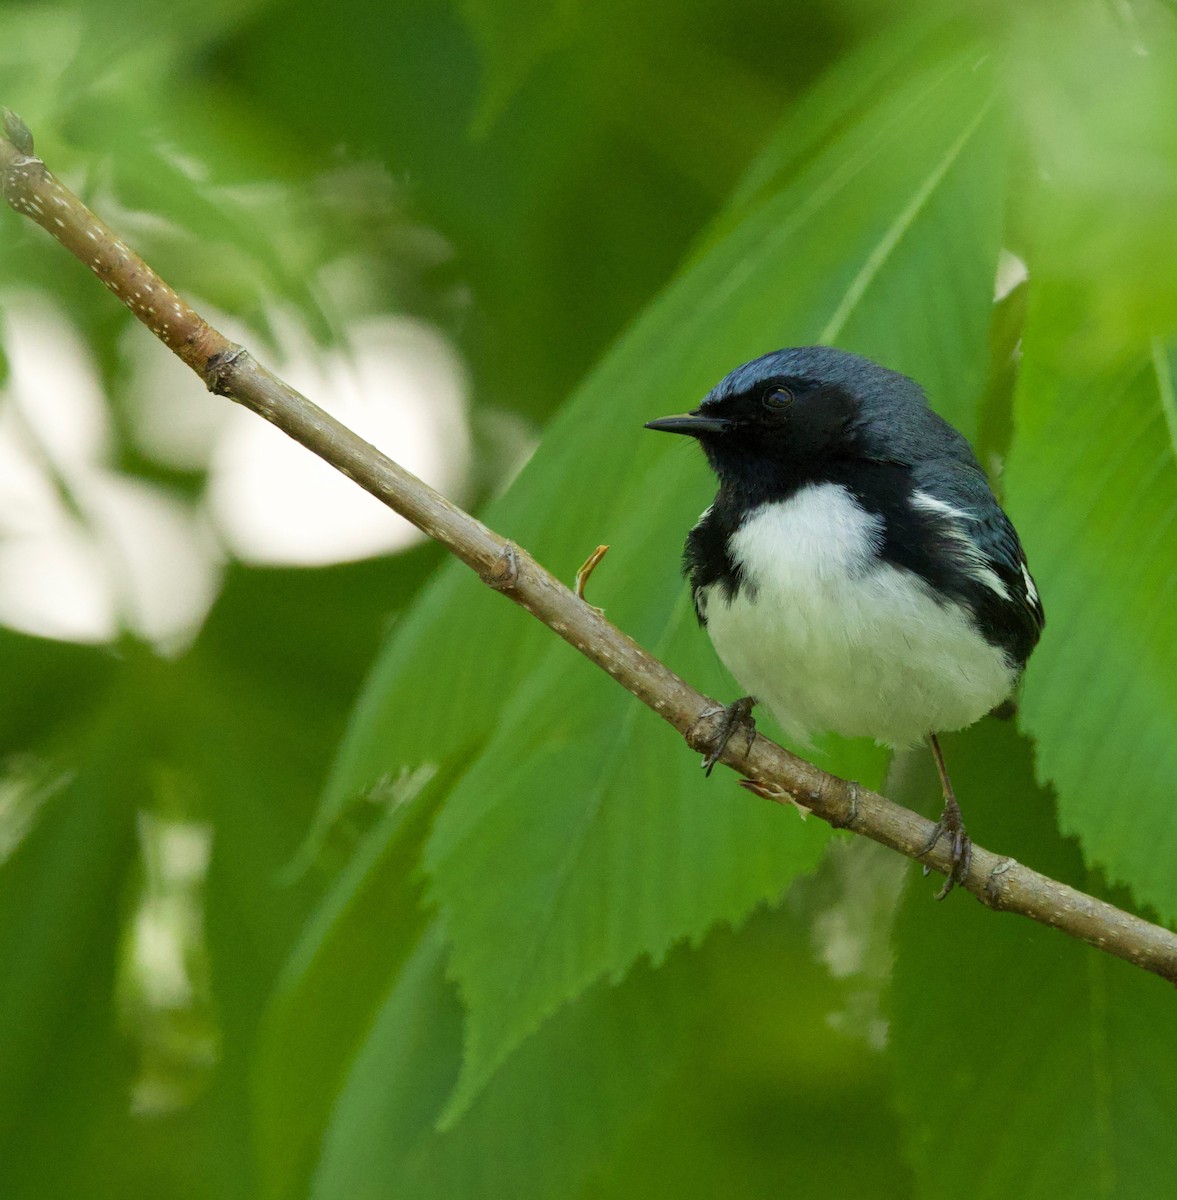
973	561
1031	590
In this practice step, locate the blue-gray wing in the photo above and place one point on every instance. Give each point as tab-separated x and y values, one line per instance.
954	498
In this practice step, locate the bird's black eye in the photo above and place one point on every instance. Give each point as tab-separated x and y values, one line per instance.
776	398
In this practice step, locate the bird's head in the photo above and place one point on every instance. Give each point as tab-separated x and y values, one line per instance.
793	410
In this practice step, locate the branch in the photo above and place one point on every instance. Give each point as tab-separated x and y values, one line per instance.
229	370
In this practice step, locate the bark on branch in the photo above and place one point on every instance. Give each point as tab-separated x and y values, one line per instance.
229	370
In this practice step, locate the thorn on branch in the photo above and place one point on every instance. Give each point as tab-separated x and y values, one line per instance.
587	568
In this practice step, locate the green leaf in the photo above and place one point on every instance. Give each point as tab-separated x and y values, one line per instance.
695	1079
687	1080
271	697
856	84
61	683
350	958
1097	209
1026	1063
1092	481
586	881
1092	475
563	1104
514	39
67	850
779	1091
583	835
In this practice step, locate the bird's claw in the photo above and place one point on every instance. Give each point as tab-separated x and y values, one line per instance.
731	718
951	824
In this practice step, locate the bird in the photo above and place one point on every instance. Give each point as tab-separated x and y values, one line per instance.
855	571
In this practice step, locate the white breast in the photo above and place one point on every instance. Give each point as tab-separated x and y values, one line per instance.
829	639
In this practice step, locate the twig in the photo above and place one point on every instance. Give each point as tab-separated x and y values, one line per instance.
587	568
229	370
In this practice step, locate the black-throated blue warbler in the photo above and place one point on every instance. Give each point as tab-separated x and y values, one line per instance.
855	572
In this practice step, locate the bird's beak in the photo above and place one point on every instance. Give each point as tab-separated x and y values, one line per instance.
692	424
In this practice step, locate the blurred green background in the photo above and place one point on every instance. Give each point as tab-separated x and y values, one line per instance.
326	873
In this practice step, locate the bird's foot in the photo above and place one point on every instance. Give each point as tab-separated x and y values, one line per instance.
951	825
736	715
